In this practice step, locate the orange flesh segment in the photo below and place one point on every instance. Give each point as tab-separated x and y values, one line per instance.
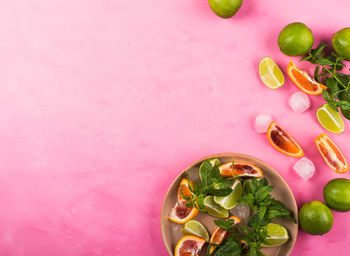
185	191
302	79
182	211
282	140
240	169
189	248
331	154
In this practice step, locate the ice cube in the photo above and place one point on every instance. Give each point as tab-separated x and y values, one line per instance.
262	123
241	211
305	168
299	102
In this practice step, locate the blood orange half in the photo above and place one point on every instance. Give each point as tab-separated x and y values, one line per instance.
331	154
240	169
303	81
281	140
189	246
180	213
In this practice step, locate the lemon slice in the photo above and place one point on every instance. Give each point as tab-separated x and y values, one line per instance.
276	235
230	201
213	208
270	73
330	119
195	228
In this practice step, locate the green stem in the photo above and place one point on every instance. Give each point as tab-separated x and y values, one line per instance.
335	77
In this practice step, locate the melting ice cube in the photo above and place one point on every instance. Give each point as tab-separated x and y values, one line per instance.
262	123
241	211
299	102
305	168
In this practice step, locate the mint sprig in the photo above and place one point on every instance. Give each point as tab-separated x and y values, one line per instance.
328	64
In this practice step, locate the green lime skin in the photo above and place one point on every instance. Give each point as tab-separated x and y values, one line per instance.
341	43
295	39
315	218
337	194
225	8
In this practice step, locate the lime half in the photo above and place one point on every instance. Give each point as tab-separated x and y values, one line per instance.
215	162
213	208
330	119
270	73
230	201
195	228
276	235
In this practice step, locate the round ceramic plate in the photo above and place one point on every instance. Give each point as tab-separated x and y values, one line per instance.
171	231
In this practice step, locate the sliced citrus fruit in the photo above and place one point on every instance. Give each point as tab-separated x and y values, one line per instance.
215	162
330	119
240	169
270	73
184	189
303	81
195	228
281	140
213	208
276	235
189	246
331	154
180	213
230	201
219	235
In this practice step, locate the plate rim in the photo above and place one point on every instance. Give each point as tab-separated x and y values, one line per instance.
295	206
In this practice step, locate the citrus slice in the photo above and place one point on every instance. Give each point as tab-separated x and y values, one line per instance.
276	235
219	235
213	208
270	73
180	213
330	119
230	201
195	228
240	169
215	162
303	81
189	246
331	154
184	189
247	186
281	140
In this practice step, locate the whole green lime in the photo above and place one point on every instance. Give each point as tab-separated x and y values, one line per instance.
315	218
337	194
295	39
225	8
341	43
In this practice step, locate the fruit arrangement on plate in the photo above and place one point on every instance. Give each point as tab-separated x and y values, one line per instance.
229	204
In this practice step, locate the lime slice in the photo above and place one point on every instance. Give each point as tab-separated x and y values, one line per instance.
270	73
195	228
276	235
215	162
213	208
330	119
230	201
247	186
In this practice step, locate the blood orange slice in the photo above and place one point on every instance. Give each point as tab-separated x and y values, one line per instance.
303	81
189	246
184	189
219	235
331	154
240	169
281	140
180	213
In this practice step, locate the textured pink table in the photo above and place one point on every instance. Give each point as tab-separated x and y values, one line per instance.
104	102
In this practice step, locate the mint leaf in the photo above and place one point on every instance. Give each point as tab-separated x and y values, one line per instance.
262	193
247	199
344	105
205	172
225	224
230	248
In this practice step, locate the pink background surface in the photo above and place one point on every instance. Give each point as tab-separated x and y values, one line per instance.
104	102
